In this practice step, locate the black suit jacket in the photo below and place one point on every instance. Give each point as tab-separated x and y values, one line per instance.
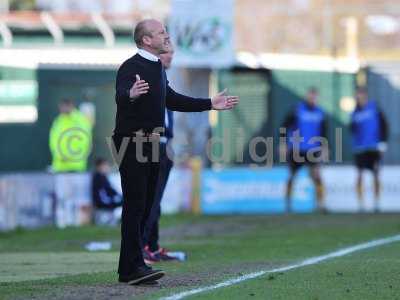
147	112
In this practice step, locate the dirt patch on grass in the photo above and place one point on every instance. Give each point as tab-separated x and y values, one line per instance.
119	291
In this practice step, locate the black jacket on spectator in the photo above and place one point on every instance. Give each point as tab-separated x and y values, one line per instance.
104	196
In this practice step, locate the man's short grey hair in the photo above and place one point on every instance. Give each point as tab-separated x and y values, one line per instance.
141	30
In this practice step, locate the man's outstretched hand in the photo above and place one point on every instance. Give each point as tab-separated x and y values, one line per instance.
221	101
138	88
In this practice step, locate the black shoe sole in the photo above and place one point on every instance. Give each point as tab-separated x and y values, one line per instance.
148	278
149	283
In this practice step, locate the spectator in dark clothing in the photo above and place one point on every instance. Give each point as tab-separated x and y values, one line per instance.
106	200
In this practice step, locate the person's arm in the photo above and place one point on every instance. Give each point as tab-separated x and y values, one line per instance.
324	129
384	128
179	102
325	146
109	189
53	136
96	187
288	123
353	126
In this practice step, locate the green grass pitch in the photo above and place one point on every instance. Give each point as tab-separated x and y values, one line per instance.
53	263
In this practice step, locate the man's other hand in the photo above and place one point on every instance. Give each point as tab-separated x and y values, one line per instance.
221	101
140	87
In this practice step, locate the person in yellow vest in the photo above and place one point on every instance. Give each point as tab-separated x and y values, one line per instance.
70	139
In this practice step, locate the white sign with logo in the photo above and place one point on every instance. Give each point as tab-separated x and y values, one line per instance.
202	33
341	196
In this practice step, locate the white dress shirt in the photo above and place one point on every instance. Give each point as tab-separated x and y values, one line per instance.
147	55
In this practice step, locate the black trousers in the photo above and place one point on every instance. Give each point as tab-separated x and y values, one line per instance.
139	182
151	233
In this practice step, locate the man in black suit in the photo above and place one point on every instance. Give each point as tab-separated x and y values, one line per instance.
142	94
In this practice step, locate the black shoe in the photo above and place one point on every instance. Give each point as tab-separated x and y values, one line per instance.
149	283
142	275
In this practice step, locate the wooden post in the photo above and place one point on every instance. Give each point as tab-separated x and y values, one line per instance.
195	164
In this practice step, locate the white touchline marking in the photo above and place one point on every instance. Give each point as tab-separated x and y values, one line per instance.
309	261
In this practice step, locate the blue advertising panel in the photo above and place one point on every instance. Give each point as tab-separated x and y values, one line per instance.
245	190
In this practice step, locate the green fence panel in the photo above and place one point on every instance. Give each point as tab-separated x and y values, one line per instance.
236	128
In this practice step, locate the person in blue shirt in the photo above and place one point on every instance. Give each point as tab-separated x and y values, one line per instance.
369	136
304	129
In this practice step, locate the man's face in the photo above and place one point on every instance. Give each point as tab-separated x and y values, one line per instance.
104	168
361	97
166	59
312	97
158	40
65	108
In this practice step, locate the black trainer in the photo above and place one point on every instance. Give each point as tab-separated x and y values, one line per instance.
142	275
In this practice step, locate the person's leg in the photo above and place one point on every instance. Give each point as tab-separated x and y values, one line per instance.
154	238
377	190
359	160
360	189
315	175
293	168
377	184
134	182
150	237
289	189
153	230
152	226
151	194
